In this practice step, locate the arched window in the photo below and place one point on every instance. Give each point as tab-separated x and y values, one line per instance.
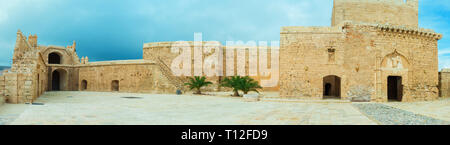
54	58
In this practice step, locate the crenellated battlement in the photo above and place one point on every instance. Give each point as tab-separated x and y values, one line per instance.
411	3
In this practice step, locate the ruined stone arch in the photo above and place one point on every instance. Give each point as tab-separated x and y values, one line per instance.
63	54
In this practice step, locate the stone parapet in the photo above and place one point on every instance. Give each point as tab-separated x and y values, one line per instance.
301	29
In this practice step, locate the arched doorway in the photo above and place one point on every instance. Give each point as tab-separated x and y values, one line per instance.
331	87
54	58
84	85
115	86
395	88
59	80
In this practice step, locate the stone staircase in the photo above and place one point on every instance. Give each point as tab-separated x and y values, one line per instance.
167	72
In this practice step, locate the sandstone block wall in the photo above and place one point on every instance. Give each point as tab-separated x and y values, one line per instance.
444	83
393	12
417	50
161	51
304	60
138	76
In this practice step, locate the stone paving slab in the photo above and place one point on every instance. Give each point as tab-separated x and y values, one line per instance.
10	112
92	108
388	115
99	108
439	109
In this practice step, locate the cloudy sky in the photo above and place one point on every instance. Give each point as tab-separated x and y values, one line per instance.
117	29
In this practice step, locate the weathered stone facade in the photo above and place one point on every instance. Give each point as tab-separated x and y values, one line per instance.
364	53
141	76
373	51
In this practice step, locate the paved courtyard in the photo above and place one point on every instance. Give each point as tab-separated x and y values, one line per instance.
96	108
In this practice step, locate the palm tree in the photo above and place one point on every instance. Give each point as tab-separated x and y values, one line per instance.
232	82
245	84
248	84
197	83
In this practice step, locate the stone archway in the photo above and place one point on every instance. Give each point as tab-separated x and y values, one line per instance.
331	87
59	80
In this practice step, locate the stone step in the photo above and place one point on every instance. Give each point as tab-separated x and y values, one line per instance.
295	100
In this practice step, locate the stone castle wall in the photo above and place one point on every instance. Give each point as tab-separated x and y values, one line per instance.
19	80
444	83
392	12
418	51
304	60
360	56
137	76
162	51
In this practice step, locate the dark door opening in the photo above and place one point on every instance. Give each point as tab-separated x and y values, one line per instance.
38	86
55	81
395	88
54	58
327	91
331	87
84	85
115	85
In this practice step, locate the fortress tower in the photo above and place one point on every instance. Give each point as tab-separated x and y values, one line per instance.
392	12
373	51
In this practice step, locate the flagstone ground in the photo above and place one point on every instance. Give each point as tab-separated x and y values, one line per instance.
92	108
